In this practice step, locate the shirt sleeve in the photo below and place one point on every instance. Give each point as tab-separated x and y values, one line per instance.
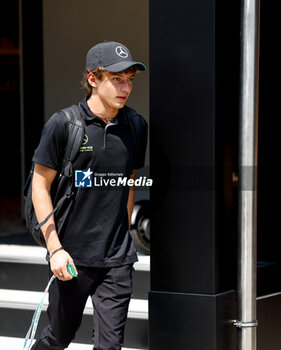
51	148
142	143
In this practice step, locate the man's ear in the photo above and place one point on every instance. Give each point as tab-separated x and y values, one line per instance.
92	79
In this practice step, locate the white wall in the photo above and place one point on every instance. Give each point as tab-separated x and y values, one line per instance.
71	27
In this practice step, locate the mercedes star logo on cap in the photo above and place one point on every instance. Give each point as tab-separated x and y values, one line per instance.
121	52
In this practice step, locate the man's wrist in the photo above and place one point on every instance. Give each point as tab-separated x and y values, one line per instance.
55	251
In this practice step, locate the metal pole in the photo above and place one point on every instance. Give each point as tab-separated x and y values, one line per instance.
247	216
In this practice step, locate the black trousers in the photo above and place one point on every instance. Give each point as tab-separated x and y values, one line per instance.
110	289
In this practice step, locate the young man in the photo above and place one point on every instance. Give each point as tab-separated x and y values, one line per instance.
92	230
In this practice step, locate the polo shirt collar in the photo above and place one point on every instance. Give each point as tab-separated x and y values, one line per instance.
89	116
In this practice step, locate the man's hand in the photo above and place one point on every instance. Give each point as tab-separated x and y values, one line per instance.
58	265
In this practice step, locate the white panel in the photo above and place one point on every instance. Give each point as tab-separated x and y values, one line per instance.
37	255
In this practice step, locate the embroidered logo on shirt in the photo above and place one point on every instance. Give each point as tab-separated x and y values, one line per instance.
84	148
83	178
85	139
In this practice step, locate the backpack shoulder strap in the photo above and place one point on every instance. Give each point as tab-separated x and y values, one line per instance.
138	128
74	138
130	114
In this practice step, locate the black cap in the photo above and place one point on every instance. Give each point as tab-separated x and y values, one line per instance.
112	56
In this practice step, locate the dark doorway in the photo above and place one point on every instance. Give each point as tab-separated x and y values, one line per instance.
10	141
21	98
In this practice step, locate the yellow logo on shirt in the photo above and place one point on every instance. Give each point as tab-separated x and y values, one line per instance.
84	148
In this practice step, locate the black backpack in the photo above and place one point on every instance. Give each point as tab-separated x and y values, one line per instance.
74	141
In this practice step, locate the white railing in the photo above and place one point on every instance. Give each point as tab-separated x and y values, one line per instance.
36	255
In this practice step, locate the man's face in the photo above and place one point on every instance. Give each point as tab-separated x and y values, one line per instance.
114	89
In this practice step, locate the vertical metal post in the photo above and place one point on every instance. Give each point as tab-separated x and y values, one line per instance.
248	176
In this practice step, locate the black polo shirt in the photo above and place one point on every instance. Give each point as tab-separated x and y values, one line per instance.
93	226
